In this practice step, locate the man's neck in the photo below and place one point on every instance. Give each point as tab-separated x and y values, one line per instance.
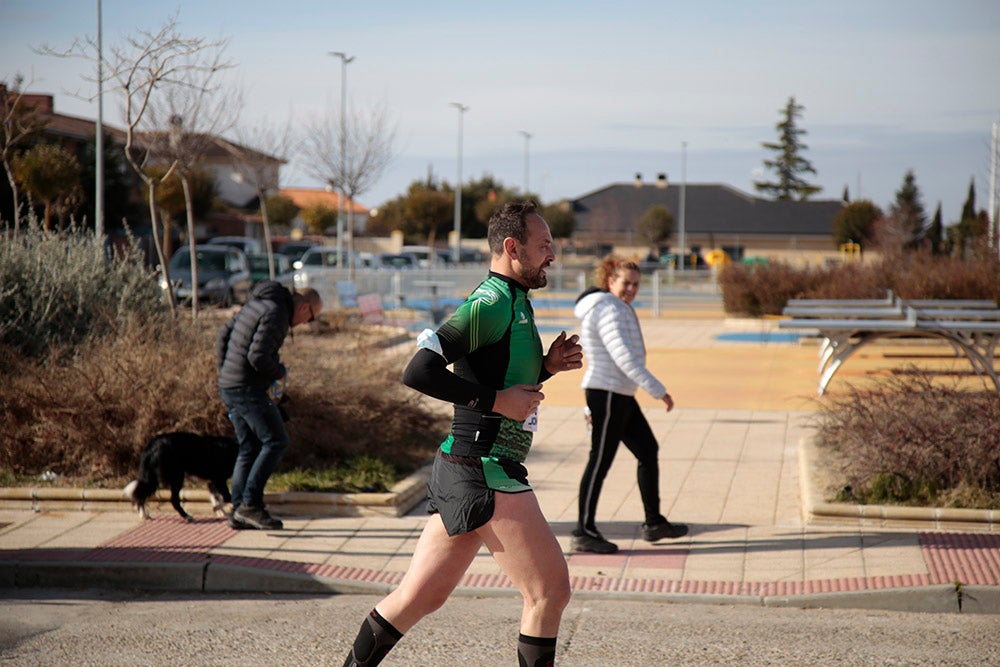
507	271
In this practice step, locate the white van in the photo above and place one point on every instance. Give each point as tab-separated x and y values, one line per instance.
244	243
425	255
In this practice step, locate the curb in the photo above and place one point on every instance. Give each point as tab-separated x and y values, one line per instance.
224	578
398	501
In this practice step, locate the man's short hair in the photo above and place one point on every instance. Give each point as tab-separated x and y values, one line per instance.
311	297
510	220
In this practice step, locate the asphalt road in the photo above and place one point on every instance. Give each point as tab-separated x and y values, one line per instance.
83	628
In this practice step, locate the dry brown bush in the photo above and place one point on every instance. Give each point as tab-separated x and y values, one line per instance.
915	440
85	416
756	290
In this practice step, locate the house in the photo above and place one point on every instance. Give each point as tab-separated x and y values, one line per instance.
236	169
716	216
306	197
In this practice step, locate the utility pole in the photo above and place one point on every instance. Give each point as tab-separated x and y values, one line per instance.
527	139
99	137
456	253
994	159
345	60
681	240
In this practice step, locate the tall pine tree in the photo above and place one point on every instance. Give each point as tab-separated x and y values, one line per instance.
908	209
935	233
788	163
973	226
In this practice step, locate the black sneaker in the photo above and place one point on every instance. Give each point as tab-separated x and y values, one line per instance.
257	517
597	545
662	530
236	524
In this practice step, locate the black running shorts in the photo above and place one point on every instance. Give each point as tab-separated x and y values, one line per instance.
461	488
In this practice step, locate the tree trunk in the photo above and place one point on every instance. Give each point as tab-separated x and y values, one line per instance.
164	270
267	231
17	201
189	211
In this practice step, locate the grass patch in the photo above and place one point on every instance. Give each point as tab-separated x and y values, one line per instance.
363	474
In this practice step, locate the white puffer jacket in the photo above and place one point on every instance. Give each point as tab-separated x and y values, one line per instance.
613	346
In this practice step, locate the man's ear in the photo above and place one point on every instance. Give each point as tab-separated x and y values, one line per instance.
510	247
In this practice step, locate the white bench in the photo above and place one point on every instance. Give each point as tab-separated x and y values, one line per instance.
971	326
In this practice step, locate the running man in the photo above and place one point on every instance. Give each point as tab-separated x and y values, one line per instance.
479	492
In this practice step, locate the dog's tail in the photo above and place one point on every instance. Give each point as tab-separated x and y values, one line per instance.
138	490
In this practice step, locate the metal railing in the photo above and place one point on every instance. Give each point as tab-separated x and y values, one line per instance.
425	288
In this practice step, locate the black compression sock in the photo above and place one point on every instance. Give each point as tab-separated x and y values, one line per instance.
536	651
375	639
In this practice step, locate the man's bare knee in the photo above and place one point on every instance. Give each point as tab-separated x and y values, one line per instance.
423	602
553	596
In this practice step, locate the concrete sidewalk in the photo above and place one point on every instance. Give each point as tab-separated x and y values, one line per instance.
732	457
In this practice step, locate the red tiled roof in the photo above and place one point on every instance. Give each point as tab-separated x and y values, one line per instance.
305	197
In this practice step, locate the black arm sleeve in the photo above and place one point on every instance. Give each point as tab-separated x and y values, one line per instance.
428	373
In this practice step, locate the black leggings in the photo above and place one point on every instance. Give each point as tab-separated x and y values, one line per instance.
618	418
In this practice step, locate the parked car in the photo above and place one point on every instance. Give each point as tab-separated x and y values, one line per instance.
223	274
395	261
319	269
260	270
426	256
320	256
294	250
244	243
467	256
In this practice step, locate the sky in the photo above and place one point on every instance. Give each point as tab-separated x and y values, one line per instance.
606	90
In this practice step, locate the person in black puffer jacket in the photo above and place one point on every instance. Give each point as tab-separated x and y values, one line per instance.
246	352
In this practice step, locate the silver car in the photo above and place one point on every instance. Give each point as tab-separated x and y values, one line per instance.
223	274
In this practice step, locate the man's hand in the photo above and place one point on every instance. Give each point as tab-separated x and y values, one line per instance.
518	401
564	354
668	401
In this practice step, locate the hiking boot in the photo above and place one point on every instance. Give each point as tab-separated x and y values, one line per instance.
597	545
257	517
662	530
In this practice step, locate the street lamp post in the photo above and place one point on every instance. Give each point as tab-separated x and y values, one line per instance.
456	253
99	136
527	139
345	60
681	241
994	161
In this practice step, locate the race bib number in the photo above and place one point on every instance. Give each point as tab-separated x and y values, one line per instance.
531	423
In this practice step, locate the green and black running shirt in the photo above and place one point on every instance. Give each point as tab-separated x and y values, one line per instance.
494	344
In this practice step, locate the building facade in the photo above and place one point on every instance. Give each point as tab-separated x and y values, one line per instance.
714	217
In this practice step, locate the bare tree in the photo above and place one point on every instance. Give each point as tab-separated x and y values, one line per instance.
138	69
197	108
368	149
261	146
17	122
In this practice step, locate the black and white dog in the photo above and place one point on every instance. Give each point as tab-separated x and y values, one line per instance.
168	457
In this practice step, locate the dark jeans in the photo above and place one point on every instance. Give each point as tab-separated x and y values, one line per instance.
263	440
618	418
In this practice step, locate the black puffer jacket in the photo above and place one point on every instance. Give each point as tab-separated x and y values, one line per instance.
246	351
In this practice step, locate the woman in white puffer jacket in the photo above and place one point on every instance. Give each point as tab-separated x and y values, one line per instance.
616	368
